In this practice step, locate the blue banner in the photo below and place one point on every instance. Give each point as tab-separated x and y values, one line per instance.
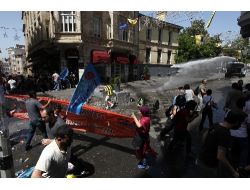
64	74
123	26
89	81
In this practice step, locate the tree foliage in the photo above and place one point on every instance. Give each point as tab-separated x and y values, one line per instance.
188	48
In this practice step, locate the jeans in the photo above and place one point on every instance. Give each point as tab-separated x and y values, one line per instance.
206	112
33	125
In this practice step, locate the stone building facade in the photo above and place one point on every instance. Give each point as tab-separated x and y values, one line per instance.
158	41
244	23
16	61
58	39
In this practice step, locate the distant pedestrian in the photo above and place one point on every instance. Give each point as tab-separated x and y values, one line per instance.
143	127
240	85
12	84
203	87
53	161
56	80
189	93
33	107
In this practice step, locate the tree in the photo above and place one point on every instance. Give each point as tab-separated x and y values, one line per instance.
188	48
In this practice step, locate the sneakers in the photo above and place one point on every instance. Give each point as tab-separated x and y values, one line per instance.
143	165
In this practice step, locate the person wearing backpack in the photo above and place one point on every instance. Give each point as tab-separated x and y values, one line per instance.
208	103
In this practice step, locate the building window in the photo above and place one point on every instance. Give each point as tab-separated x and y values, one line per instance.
97	27
148	55
159	56
170	37
109	34
148	34
68	21
123	35
159	35
169	56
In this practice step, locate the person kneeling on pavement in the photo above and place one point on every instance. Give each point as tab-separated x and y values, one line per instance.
213	159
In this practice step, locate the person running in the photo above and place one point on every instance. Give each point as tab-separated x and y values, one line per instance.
33	107
142	130
181	120
179	102
53	161
213	160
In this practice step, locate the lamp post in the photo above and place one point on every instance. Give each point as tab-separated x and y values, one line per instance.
6	159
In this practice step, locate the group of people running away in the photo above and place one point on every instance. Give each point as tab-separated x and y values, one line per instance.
224	151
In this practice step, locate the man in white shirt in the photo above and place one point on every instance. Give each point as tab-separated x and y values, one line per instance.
53	162
56	80
12	84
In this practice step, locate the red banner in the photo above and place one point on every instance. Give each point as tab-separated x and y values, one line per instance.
91	119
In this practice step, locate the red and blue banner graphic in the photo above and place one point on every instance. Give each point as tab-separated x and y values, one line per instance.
91	119
89	81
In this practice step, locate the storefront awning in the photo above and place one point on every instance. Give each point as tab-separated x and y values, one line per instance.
121	60
98	56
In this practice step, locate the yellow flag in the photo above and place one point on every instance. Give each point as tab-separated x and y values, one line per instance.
133	22
198	39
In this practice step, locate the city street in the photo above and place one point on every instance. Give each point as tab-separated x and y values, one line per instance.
114	157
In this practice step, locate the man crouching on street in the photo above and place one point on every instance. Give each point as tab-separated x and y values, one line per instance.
53	161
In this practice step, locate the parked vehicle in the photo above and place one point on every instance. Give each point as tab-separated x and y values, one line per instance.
235	69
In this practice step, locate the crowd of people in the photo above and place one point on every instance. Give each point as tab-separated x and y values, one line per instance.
225	150
20	84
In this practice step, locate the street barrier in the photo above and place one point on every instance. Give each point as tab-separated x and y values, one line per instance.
91	119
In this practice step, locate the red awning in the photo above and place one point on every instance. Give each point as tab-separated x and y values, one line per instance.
122	60
100	57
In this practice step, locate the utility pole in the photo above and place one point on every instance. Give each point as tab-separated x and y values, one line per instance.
6	159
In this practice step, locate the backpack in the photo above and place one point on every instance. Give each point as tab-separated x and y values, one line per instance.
180	101
197	90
